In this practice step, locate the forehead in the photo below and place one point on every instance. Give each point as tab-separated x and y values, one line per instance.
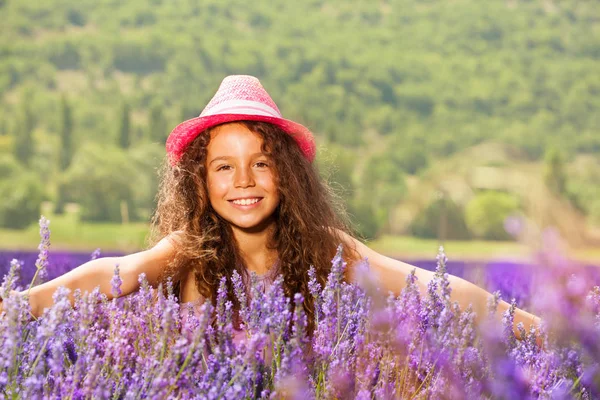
234	140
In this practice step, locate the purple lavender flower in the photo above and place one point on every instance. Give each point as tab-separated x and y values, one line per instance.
593	302
508	319
315	289
240	290
9	281
442	275
366	343
95	254
116	283
41	263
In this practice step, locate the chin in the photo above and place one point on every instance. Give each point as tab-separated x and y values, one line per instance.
251	226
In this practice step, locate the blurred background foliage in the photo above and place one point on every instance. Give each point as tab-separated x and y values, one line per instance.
434	118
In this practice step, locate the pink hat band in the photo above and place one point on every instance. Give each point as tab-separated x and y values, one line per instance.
239	98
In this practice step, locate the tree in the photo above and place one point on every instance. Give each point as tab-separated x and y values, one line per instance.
336	166
364	219
486	212
145	158
65	151
188	112
3	127
554	175
411	159
100	179
157	124
24	143
441	211
66	133
21	193
383	186
125	127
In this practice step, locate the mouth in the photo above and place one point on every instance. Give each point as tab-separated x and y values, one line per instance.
246	203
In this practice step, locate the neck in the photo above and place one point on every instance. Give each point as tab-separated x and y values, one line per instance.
254	249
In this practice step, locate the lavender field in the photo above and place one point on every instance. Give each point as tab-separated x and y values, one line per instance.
513	279
364	345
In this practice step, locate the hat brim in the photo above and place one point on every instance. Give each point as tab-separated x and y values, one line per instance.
187	131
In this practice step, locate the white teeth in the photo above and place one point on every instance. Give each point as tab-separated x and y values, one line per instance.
245	202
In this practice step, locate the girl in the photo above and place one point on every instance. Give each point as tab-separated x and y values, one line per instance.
239	193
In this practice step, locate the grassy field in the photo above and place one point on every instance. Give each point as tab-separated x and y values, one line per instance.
408	247
67	233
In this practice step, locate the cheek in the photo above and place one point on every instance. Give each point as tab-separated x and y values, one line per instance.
216	187
269	181
270	184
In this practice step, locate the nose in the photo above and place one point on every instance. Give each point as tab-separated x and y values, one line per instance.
243	177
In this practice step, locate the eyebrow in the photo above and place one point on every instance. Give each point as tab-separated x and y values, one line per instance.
228	157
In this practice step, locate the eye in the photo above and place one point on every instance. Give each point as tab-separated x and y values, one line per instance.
223	167
262	164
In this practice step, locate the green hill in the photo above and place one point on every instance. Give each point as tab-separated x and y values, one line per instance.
499	168
402	82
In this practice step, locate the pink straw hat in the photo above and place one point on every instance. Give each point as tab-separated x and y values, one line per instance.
239	98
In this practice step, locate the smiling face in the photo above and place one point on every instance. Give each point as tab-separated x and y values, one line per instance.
241	179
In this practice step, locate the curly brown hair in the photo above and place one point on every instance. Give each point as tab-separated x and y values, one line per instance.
310	220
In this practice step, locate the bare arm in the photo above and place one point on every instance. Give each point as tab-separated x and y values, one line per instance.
393	273
99	272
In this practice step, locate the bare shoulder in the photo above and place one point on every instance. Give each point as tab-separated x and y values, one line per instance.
166	248
391	272
365	252
153	261
168	243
